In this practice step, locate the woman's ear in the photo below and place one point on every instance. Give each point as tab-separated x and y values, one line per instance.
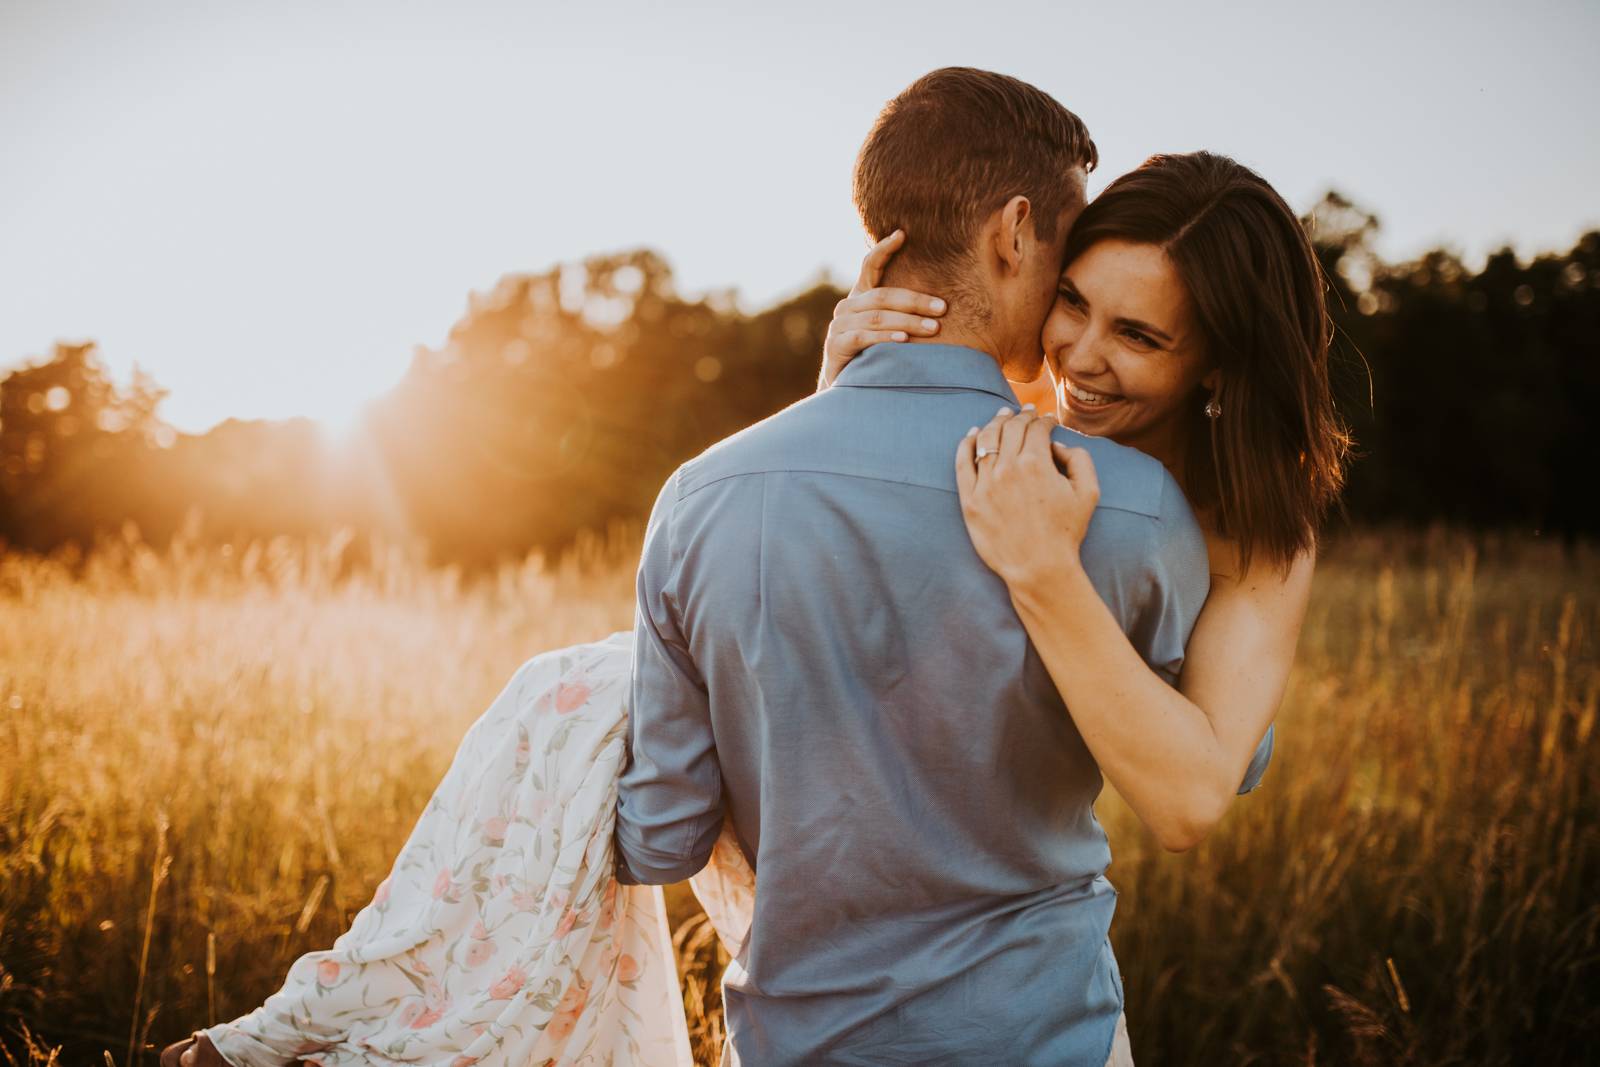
1213	379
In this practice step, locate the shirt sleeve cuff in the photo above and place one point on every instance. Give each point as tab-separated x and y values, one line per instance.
639	864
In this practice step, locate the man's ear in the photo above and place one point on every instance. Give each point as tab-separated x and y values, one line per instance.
1011	235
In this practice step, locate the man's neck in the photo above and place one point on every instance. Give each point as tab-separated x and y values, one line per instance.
952	334
954	328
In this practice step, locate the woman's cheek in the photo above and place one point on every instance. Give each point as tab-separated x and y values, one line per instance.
1059	329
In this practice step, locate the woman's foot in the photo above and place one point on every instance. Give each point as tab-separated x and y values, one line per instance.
196	1051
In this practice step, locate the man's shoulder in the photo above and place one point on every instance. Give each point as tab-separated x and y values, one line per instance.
1144	526
1130	480
763	446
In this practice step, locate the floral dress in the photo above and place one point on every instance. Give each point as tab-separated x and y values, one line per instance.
501	935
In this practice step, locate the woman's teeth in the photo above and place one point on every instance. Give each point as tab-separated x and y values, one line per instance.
1083	396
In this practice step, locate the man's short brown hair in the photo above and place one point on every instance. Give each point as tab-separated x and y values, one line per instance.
951	149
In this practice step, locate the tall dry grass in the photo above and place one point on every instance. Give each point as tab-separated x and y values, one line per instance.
208	758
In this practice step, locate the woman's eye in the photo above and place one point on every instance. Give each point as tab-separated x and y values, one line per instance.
1071	298
1142	339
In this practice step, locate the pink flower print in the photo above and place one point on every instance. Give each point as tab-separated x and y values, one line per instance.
542	705
381	896
479	930
480	953
509	984
574	998
568	921
463	1061
608	907
444	888
525	901
524	749
435	1002
570	696
559	899
561	1026
494	831
628	968
327	972
566	1015
409	1013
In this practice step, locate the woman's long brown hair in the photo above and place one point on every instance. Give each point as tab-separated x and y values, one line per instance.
1272	463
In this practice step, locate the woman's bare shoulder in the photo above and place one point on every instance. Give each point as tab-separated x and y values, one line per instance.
1264	580
1250	625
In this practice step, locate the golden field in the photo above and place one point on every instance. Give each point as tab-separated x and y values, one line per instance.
208	757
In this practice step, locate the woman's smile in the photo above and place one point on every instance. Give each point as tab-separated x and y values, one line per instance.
1079	398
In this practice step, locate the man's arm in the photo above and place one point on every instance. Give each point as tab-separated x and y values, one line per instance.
669	808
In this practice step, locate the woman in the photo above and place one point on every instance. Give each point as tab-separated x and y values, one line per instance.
1190	324
502	936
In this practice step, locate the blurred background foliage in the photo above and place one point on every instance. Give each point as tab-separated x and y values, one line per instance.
561	400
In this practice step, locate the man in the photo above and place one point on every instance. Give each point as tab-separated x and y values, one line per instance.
822	659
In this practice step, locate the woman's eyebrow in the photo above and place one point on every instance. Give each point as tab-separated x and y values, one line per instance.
1153	331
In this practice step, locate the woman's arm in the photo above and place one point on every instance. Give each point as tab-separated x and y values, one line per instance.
1177	756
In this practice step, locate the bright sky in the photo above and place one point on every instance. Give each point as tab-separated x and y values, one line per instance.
267	205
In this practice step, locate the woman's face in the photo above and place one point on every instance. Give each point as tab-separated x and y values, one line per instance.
1123	349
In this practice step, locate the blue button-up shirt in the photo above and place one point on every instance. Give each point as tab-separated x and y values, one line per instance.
822	658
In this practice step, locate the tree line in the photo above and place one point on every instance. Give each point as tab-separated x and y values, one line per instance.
561	400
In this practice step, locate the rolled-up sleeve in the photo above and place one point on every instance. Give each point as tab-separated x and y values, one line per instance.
669	809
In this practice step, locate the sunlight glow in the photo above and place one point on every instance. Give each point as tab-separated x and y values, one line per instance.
242	197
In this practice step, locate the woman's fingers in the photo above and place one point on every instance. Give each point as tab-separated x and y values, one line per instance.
987	453
880	319
1079	468
876	259
850	335
858	341
1036	438
907	301
873	315
1013	431
966	466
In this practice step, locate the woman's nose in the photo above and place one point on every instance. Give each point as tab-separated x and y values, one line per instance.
1083	358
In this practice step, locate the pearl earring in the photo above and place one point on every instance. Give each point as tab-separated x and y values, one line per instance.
1213	408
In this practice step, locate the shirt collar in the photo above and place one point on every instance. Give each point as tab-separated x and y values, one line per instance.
904	365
